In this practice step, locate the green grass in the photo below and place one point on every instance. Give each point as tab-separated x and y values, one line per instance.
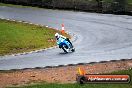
19	37
18	6
11	5
75	85
129	1
108	1
53	85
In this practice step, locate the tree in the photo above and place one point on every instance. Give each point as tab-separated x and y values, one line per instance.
121	5
99	4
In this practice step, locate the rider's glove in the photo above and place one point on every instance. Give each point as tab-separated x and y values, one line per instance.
59	46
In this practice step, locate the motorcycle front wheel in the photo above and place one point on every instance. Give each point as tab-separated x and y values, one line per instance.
64	49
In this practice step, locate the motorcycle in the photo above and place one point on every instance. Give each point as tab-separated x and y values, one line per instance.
65	45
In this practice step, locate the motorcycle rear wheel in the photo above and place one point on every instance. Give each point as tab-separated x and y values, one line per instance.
73	50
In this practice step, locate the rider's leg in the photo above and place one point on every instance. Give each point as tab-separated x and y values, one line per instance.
67	39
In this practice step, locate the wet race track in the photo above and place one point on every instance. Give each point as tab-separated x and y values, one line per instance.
99	37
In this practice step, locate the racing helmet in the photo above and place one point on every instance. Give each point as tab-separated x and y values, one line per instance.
57	35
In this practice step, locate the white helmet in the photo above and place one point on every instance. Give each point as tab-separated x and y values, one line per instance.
57	35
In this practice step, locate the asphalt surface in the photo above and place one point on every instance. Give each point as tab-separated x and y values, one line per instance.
99	37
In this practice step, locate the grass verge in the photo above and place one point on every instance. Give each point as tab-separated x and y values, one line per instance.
57	85
18	37
129	1
12	5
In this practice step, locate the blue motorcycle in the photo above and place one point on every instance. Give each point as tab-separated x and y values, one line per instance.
65	45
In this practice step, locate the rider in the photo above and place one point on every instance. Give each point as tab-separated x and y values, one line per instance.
57	36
